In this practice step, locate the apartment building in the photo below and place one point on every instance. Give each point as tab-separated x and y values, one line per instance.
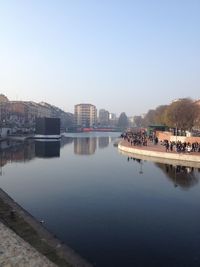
4	108
85	115
24	113
104	117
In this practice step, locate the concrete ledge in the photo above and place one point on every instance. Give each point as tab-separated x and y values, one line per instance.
180	157
161	160
35	233
14	251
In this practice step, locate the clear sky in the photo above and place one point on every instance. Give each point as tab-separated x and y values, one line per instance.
119	55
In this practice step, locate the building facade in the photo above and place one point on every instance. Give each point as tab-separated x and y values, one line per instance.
103	117
23	114
85	115
112	119
4	108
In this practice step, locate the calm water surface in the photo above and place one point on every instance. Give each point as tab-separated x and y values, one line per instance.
112	209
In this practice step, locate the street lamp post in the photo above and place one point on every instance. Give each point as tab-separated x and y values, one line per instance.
176	132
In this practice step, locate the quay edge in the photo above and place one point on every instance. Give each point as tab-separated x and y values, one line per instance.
158	154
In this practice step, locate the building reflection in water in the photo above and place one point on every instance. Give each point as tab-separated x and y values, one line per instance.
182	176
66	141
85	145
103	142
47	149
17	151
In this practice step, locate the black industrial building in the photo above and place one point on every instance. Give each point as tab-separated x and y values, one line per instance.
47	128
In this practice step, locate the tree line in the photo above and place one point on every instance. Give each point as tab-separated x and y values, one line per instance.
183	114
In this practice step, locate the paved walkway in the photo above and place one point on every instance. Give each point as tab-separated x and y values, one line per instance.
157	148
15	252
158	151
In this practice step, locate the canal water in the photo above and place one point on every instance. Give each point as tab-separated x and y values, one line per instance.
111	208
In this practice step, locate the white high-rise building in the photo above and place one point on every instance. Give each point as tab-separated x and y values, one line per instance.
85	115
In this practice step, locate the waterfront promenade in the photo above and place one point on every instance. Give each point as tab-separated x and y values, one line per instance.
159	152
14	251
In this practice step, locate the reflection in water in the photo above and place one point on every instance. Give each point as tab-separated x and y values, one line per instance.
103	142
17	151
65	141
140	161
182	176
134	159
85	145
141	165
47	149
107	202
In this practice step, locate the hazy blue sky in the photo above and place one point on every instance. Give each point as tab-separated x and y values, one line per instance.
120	55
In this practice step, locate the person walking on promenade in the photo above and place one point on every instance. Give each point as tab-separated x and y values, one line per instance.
167	146
171	146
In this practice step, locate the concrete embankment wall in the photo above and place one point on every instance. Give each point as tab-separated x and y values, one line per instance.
157	154
168	136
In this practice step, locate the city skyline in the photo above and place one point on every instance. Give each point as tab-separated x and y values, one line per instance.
128	57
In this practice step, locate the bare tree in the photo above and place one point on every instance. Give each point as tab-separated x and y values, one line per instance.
160	114
149	118
138	121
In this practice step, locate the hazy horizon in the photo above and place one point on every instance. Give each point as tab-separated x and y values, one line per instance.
124	57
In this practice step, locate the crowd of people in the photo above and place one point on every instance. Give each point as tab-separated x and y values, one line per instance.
135	139
141	139
181	146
